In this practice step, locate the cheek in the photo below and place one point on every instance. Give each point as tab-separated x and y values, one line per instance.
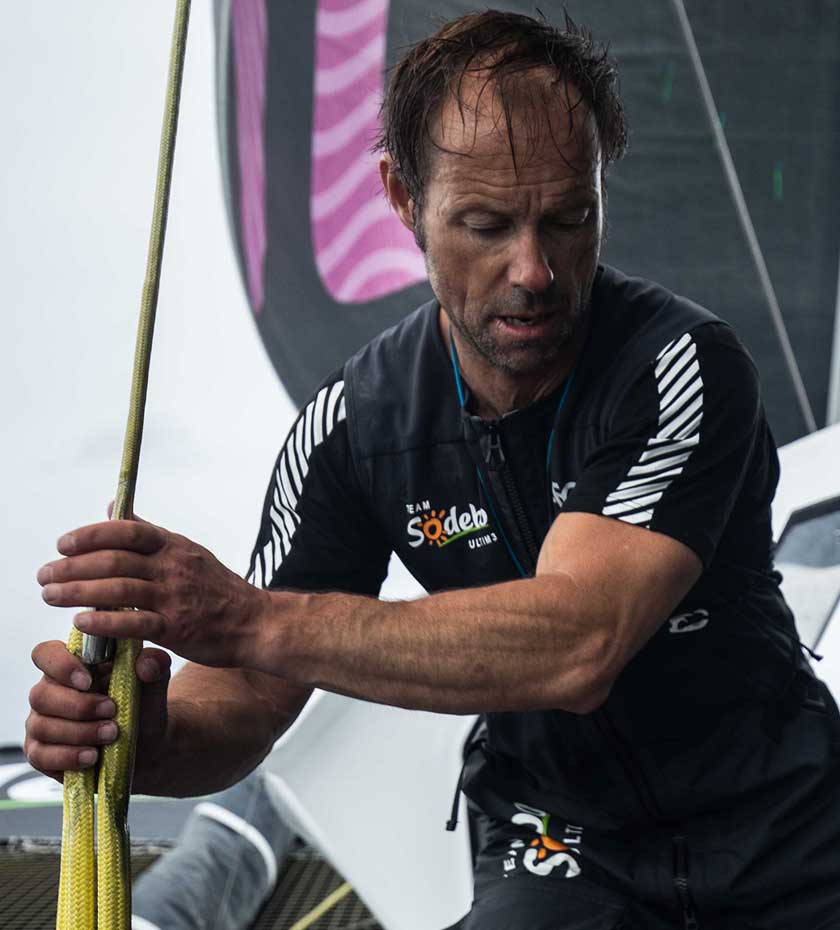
456	260
584	251
443	275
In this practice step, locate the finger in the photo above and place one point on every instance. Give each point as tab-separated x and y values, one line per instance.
122	624
105	563
54	731
53	700
134	535
104	592
153	669
154	666
49	759
56	661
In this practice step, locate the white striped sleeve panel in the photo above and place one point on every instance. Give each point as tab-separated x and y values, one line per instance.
680	388
314	423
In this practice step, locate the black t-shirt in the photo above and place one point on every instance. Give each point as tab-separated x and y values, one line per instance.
683	440
316	533
662	426
685	451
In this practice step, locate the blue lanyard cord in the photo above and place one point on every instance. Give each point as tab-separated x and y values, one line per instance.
458	386
562	401
487	494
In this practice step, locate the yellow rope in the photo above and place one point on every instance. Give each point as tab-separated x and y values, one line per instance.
103	901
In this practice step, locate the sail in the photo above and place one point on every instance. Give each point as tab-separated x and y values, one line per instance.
326	266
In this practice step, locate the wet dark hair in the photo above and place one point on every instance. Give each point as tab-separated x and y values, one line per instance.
505	48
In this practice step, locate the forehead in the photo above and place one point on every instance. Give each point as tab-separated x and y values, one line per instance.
529	131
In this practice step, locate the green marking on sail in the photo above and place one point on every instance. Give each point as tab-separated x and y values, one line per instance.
668	83
778	181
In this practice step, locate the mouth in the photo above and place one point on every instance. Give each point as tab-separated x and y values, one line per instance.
523	322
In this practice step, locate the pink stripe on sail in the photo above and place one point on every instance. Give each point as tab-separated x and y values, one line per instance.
362	251
250	52
345	20
375	264
337	200
363	235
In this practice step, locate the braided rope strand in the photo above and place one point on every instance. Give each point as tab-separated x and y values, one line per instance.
111	907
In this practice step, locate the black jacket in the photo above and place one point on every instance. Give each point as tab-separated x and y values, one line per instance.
661	425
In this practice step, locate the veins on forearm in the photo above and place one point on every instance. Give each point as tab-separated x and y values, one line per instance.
513	646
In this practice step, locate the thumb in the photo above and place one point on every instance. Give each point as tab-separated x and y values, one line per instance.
154	671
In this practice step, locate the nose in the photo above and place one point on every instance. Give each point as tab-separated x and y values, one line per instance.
529	267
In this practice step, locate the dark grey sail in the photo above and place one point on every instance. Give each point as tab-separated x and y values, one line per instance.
772	71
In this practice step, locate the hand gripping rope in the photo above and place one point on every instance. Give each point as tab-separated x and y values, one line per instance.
102	901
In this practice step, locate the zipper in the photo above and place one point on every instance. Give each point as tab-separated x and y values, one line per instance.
497	465
520	516
495	455
681	883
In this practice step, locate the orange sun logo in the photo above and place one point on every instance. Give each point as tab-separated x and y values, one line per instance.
432	526
545	844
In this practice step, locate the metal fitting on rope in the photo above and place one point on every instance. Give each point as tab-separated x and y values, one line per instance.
97	649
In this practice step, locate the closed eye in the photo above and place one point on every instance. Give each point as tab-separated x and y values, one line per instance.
570	220
487	232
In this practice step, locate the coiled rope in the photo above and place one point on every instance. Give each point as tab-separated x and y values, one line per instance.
95	887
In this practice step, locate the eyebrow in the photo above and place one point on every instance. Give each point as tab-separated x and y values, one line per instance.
575	201
477	209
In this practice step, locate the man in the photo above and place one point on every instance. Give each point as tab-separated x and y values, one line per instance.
579	463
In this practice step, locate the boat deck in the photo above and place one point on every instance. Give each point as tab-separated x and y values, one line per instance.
29	889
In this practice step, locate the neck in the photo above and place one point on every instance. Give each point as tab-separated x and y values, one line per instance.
495	392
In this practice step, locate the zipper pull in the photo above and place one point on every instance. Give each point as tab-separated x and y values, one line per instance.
494	454
681	883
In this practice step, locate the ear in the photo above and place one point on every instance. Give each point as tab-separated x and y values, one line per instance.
396	192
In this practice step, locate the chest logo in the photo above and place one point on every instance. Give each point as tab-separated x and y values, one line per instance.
440	526
559	495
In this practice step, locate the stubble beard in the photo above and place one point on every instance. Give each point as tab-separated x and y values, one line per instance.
512	358
523	358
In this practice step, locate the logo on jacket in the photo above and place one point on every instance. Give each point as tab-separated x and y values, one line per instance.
688	622
559	495
544	854
442	526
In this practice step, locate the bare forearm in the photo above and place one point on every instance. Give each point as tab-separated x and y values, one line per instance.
559	640
514	646
220	728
